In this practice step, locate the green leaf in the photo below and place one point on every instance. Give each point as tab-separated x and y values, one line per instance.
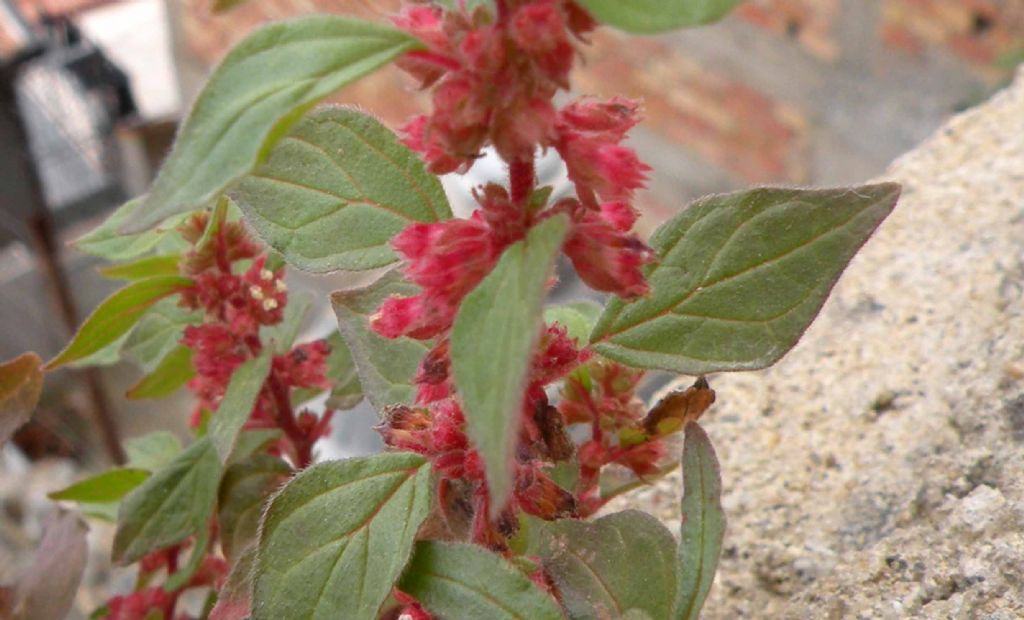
245	489
200	548
606	567
578	318
110	486
158	333
338	536
262	87
107	241
152	451
250	442
116	315
283	335
142	268
703	526
336	189
386	367
492	341
107	356
346	392
238	402
740	277
466	582
170	374
653	16
21	383
173	504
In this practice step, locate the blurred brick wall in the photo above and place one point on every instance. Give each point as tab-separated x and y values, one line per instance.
783	91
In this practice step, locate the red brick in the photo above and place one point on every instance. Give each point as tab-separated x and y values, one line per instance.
722	120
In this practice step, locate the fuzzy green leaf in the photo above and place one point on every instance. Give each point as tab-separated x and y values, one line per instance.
703	524
110	486
346	392
467	582
116	315
158	333
385	367
245	489
261	88
654	16
740	277
238	402
173	504
252	441
336	189
21	383
170	374
337	537
107	241
153	450
492	342
607	567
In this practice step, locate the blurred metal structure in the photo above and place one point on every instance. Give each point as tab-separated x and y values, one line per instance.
60	99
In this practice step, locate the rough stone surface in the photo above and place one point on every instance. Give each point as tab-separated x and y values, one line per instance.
878	470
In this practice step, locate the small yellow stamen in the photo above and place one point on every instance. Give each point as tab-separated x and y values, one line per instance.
256	292
269	304
280	286
267	275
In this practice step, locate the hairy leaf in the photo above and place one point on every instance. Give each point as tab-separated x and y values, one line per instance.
107	241
386	367
263	86
21	383
246	487
173	504
336	189
116	315
653	16
238	402
110	486
153	450
170	374
492	343
740	277
607	567
338	536
703	526
252	441
158	333
466	582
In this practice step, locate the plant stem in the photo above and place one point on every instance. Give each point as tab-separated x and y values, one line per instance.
521	180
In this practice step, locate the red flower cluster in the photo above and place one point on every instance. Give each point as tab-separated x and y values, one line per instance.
493	79
603	396
437	431
236	306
